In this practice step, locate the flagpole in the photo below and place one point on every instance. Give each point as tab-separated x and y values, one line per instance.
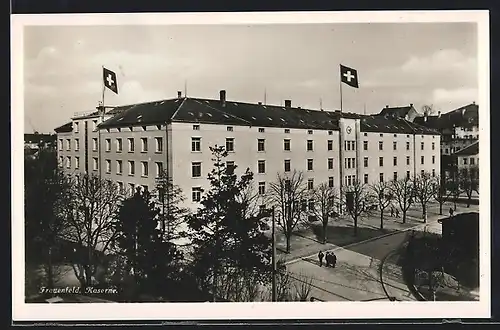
102	119
340	82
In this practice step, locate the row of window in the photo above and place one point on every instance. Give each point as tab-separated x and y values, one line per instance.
469	161
261	145
395	161
119	144
395	145
119	166
196	127
351	179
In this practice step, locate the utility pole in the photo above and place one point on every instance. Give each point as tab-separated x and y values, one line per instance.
274	254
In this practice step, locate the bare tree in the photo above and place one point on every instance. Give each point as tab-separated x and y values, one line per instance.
402	191
287	194
357	200
324	206
441	193
428	109
455	188
92	204
383	196
169	199
469	181
424	188
303	286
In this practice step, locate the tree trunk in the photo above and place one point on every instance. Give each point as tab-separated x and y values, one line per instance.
325	227
424	212
356	226
50	274
441	207
381	219
404	216
288	237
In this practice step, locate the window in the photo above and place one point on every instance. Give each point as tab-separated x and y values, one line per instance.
422	160
159	169
196	127
310	204
229	128
310	184
119	145
131	145
365	145
262	188
365	134
433	159
286	144
261	130
196	194
108	145
309	131
421	146
159	144
433	172
131	167
77	127
381	135
94	144
395	176
330	181
131	187
68	144
407	174
144	168
407	145
381	161
407	160
95	164
310	164
309	145
287	165
395	161
433	145
330	145
94	125
120	186
365	178
230	167
287	131
77	162
196	169
119	167
365	162
381	177
471	161
261	144
465	161
195	144
330	163
68	162
230	144
446	151
330	132
144	144
60	144
422	172
380	145
261	166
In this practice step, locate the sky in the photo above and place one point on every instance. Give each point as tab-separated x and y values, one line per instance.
397	63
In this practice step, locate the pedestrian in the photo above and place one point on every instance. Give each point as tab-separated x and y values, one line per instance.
451	211
320	257
327	259
392	211
397	213
334	260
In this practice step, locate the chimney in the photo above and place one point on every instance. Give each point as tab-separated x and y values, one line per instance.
411	105
179	94
260	103
288	103
223	97
387	106
439	114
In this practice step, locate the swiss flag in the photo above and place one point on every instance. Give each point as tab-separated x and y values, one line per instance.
349	76
109	78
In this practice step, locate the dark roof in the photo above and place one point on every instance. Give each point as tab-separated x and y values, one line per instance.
472	149
396	111
470	217
37	137
68	127
389	124
465	116
211	111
